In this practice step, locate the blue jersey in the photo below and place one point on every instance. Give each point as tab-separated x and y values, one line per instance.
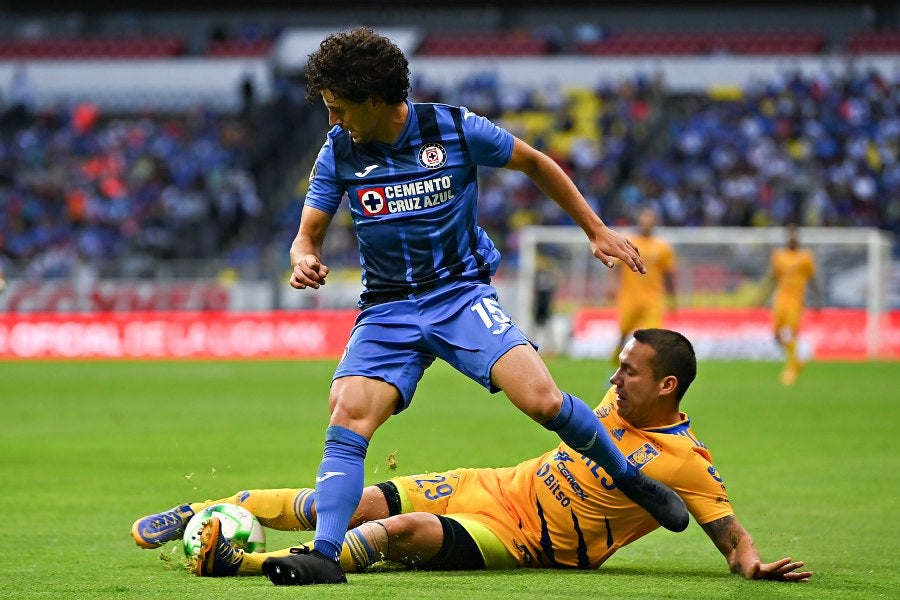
413	202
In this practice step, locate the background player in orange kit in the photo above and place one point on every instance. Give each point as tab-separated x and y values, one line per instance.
640	301
792	268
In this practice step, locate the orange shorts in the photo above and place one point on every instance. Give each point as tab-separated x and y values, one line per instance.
467	496
786	314
642	315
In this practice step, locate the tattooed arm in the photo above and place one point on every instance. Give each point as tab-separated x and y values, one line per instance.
737	547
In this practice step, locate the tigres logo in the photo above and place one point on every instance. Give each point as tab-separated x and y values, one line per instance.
643	455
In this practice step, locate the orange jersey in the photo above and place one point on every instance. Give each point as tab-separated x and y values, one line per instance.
792	270
561	509
659	258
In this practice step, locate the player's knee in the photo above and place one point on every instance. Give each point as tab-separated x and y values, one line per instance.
411	526
374	504
546	405
523	376
400	527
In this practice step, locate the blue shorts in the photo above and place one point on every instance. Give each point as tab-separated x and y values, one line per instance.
461	323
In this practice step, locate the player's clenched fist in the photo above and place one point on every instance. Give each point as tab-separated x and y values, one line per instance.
309	272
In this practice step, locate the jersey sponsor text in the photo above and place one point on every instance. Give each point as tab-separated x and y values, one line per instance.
405	197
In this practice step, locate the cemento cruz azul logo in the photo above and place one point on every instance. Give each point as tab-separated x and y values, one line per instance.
405	197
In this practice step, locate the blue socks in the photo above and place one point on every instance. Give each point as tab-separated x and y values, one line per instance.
339	484
579	427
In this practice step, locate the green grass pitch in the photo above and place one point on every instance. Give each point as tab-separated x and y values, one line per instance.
87	447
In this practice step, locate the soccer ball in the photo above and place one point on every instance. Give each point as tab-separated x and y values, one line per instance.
239	526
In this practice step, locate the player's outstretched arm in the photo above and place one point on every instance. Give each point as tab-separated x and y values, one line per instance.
606	244
306	250
737	547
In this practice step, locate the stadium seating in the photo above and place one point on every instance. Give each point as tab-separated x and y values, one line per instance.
874	41
240	48
791	42
657	43
486	43
90	48
646	43
471	44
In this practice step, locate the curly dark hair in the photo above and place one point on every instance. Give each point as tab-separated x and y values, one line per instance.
358	65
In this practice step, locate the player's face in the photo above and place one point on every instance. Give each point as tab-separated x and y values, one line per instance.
793	243
636	387
358	118
646	222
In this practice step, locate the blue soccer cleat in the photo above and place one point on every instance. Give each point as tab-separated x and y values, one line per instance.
153	531
217	556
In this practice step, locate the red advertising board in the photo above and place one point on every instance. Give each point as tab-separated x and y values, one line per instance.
829	334
296	334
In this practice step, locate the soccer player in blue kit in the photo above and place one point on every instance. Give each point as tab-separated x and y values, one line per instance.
409	172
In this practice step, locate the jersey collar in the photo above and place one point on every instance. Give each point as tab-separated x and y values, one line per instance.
683	425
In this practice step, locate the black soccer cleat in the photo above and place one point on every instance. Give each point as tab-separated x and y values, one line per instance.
303	567
656	498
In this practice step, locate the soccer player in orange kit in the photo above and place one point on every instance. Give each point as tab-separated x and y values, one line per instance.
641	301
559	509
791	270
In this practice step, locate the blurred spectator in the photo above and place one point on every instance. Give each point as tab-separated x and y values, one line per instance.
20	100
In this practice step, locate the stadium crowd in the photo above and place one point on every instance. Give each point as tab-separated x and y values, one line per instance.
124	191
814	151
120	192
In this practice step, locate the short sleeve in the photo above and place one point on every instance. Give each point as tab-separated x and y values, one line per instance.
701	487
325	192
489	144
